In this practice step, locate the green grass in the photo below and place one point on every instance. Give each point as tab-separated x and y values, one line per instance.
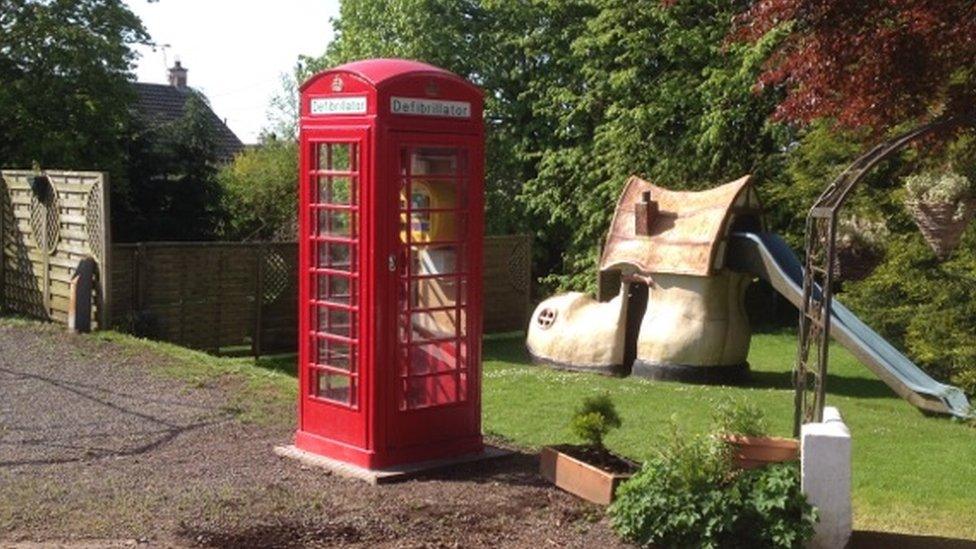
912	473
261	388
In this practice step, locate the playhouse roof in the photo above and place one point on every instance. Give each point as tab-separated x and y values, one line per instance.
686	235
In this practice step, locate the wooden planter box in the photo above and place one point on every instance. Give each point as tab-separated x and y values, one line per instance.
578	477
753	452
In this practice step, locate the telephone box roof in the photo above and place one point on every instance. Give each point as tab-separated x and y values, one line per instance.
379	72
688	233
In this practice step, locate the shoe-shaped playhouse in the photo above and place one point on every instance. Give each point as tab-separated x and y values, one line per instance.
670	303
671	308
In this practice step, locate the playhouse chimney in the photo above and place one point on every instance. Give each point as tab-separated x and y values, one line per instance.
177	75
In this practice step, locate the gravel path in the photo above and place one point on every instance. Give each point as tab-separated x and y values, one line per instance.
99	448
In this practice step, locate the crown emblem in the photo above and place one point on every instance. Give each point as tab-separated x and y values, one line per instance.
432	89
337	84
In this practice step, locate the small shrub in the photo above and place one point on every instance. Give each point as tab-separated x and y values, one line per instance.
689	496
596	417
775	511
740	418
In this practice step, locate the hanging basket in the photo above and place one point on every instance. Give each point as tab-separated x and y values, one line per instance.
942	223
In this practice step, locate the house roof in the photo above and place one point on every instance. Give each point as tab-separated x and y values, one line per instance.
687	235
162	103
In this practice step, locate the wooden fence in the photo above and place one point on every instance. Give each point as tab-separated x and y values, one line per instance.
228	296
48	223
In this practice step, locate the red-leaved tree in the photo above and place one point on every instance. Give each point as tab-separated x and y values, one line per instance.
867	63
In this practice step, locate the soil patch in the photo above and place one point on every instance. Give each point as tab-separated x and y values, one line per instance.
98	443
600	458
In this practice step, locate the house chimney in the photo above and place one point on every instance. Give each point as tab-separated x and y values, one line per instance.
177	75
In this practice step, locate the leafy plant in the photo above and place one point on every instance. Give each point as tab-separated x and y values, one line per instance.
924	306
689	496
260	191
837	60
862	233
939	188
740	418
595	417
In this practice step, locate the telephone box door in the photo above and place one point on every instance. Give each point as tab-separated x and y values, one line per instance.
333	263
437	245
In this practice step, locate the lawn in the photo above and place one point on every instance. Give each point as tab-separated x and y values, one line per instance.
912	473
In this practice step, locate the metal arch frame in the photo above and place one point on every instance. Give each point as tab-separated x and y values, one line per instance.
809	377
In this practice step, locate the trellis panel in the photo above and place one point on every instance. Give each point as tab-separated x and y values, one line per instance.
43	239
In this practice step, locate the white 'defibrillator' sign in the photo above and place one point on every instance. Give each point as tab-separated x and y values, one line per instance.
352	104
430	107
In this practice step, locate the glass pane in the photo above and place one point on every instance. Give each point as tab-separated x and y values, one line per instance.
340	157
434	260
435	227
434	193
462	322
337	223
337	322
430	293
403	194
428	325
337	190
336	289
463	385
337	387
436	161
323	161
337	354
432	358
336	255
421	392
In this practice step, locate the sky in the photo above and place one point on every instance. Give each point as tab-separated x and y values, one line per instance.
235	51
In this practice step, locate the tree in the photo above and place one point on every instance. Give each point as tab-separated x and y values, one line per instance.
175	167
260	189
579	95
870	63
64	94
652	91
514	50
283	113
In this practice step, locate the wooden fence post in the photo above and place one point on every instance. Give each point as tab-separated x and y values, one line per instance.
258	301
139	276
219	302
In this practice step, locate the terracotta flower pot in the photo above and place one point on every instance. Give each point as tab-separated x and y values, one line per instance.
577	477
753	452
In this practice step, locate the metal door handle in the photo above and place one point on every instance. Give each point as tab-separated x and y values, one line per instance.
392	263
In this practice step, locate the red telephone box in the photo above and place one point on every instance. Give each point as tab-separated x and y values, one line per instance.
391	229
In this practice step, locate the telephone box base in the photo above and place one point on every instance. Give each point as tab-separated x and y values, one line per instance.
389	474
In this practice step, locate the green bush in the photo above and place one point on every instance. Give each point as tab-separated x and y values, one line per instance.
261	192
925	307
594	419
690	496
740	418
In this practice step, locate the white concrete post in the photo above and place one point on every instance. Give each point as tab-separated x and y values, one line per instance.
825	457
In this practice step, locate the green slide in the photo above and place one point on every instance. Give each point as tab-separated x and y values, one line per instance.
766	255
